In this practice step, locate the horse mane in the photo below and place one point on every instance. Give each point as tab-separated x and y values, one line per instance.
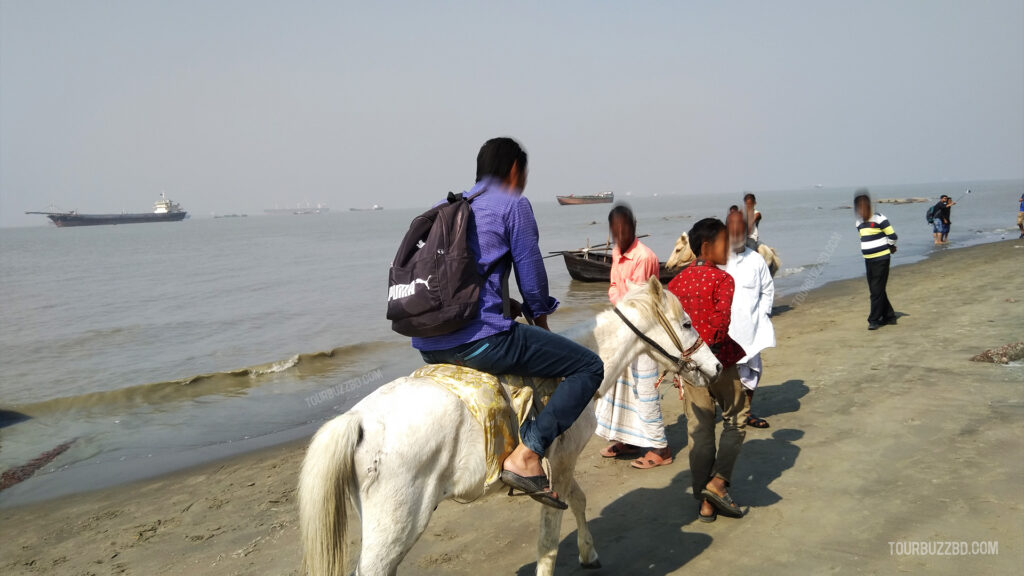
645	297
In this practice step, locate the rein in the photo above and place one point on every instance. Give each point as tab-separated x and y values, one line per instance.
682	361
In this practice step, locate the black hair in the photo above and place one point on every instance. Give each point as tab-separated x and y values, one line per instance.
739	214
497	156
704	231
623	211
861	194
734	208
749	196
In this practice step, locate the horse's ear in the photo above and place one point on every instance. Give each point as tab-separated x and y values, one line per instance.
654	286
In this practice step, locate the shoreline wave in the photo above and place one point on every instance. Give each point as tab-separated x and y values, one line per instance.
227	382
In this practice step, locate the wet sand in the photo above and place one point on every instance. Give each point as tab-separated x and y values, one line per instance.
879	437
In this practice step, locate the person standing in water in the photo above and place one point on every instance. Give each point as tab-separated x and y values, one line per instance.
1020	216
877	243
943	211
629	414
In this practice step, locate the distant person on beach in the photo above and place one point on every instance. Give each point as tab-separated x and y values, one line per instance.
751	325
1020	216
753	219
505	228
877	242
942	219
706	293
629	414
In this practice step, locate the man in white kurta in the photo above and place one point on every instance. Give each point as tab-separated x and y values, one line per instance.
751	325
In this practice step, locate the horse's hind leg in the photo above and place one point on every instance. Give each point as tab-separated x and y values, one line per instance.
392	523
577	501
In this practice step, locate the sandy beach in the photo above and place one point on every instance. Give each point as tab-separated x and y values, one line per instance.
877	439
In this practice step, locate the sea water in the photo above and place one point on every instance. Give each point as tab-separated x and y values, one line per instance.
153	347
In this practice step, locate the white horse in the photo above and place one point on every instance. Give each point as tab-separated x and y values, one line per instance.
682	255
411	444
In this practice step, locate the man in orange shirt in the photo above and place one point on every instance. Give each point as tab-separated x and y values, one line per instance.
629	414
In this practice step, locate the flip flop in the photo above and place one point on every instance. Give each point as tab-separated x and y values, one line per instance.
619	449
536	487
651	460
755	422
723	503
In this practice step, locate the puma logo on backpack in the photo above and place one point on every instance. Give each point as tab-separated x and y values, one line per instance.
434	285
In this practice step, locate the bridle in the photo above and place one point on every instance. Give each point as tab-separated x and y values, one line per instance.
683	360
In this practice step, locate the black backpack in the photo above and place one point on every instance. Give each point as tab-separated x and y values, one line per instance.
434	285
932	213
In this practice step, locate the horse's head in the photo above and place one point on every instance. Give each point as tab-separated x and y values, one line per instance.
658	320
771	257
681	254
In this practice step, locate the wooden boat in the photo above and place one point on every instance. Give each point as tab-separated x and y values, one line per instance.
596	266
572	199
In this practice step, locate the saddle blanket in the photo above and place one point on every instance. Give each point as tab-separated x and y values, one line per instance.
499	403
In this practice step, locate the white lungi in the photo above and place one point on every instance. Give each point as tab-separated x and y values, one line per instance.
631	411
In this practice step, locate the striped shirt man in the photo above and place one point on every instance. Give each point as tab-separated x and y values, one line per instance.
876	236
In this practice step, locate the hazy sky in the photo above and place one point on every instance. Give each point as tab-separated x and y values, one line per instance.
236	106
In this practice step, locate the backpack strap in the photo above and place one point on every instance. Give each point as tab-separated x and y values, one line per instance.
506	294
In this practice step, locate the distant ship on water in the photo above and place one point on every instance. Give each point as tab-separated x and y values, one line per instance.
370	209
164	210
299	209
572	199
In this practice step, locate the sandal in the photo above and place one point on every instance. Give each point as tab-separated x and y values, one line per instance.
536	487
707	519
619	449
755	422
652	459
723	502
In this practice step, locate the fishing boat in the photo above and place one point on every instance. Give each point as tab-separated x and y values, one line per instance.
596	266
572	199
164	210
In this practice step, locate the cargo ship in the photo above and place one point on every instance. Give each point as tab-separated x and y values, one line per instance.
572	199
164	210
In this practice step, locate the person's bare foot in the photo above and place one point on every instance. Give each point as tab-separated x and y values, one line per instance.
524	462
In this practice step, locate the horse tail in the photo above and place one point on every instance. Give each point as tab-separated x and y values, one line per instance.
327	484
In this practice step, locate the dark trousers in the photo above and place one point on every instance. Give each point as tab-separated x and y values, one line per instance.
530	351
878	277
700	403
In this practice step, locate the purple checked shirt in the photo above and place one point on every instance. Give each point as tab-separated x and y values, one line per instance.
503	222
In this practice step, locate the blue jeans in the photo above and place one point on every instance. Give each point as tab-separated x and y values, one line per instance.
530	351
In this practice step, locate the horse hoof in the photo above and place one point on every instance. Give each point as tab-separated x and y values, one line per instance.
595	565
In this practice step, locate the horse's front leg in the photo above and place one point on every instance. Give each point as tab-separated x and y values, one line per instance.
550	529
577	501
